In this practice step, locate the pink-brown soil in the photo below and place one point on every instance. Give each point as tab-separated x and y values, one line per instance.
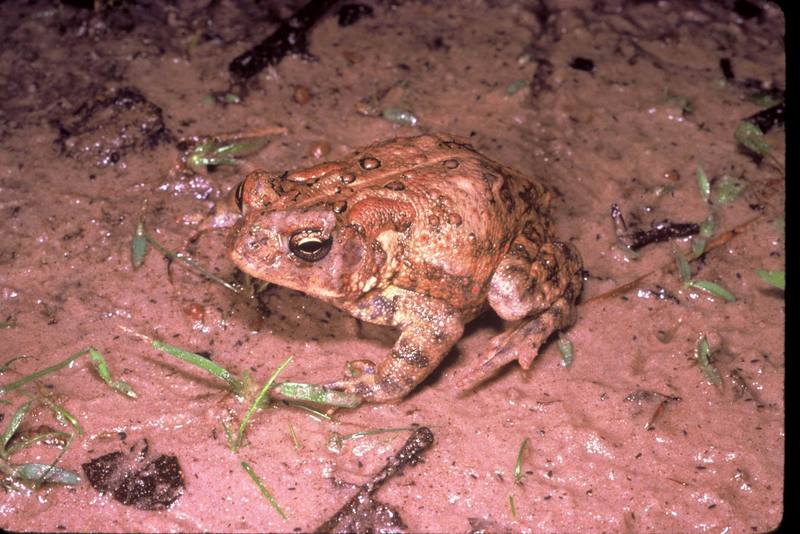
631	437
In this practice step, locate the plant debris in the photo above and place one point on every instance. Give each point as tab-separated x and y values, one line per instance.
137	478
364	513
263	489
660	231
291	37
702	353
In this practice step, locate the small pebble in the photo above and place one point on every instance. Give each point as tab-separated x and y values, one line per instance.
301	95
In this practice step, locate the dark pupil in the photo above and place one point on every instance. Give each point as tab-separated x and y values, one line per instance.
307	245
238	194
310	245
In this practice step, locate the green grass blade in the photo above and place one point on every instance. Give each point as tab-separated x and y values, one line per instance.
102	369
7	364
703	354
373	431
40	473
138	246
703	184
12	427
205	364
62	413
511	506
684	270
42	372
27	441
714	289
298	391
518	465
263	489
257	402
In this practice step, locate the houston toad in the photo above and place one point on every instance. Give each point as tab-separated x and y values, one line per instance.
419	233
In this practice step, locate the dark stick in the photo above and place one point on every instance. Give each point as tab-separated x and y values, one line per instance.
289	38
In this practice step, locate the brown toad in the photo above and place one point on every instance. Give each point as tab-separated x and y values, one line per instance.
421	234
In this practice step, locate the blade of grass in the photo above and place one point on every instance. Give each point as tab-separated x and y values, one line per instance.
295	441
237	386
62	413
44	436
684	271
511	506
311	411
52	466
12	427
37	473
263	489
703	184
102	369
714	289
297	391
518	465
257	402
373	431
7	364
138	246
42	372
703	354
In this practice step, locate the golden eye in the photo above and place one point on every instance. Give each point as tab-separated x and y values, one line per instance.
309	245
238	195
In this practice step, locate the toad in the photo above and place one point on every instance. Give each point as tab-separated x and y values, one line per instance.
422	234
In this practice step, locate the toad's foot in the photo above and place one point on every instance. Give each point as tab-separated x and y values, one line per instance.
521	343
430	328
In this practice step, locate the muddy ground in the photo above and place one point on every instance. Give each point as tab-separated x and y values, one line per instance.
617	102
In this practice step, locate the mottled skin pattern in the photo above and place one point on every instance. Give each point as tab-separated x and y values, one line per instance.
417	233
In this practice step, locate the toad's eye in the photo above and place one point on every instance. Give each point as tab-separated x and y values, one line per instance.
309	245
238	196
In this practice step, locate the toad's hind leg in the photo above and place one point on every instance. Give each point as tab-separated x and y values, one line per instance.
429	327
537	292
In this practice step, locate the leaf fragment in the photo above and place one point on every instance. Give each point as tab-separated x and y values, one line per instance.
775	278
102	369
567	351
727	189
41	473
703	354
751	137
714	289
139	246
703	184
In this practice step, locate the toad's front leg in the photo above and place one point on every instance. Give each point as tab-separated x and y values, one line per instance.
429	329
